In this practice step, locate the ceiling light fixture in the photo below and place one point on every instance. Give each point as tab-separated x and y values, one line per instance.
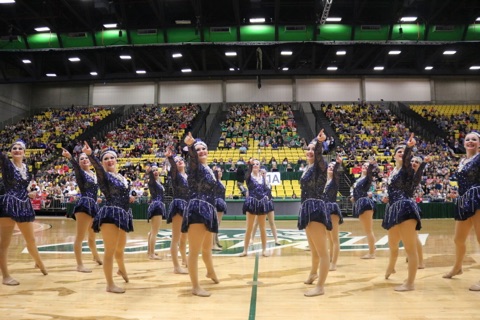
26	61
475	68
231	54
341	53
74	59
6	1
334	19
332	68
141	72
378	68
177	55
110	25
394	52
285	69
449	52
186	70
125	57
51	74
93	73
42	29
286	53
408	19
257	20
428	68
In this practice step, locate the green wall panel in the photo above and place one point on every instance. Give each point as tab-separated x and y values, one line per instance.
182	35
411	32
257	33
14	45
110	38
473	32
43	41
296	35
69	42
339	32
454	35
147	38
220	36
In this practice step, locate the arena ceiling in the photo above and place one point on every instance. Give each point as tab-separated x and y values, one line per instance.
215	39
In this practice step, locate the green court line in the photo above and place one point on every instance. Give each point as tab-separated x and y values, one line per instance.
253	298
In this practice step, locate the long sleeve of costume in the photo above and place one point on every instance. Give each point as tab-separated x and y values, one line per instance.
117	195
156	207
468	175
88	190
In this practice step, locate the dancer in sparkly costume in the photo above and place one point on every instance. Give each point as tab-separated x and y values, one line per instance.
176	209
467	213
402	217
258	204
200	216
364	206
115	218
314	216
16	209
156	209
330	198
85	209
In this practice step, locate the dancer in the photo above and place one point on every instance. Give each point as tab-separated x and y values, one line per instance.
402	217
85	209
200	220
156	209
330	197
176	209
270	216
314	216
220	204
258	204
364	206
16	208
115	218
467	213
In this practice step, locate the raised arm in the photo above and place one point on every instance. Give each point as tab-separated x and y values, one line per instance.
99	170
76	167
193	156
320	163
173	165
407	154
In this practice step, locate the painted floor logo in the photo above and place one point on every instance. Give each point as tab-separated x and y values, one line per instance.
232	243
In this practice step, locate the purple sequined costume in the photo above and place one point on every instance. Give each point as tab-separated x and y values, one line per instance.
16	203
330	194
202	184
360	193
259	200
117	194
220	190
88	190
400	206
313	182
180	192
468	176
156	207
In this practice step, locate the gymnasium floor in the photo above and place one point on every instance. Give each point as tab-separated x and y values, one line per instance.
253	287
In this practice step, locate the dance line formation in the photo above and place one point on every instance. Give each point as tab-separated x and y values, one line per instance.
199	204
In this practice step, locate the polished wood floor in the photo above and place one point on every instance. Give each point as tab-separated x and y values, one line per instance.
356	290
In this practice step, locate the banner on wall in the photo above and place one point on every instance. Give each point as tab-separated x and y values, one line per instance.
273	178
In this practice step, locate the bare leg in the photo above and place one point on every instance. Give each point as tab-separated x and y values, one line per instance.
248	233
476	225
215	242
254	230
462	229
318	233
92	244
421	263
409	238
263	232
6	231
83	222
177	237
315	259
273	227
207	256
152	237
334	242
393	242
197	234
26	228
111	238
366	219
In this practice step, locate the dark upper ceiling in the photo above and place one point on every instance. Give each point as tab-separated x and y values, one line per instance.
148	32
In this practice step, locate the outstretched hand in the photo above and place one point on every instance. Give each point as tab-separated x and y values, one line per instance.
321	136
86	148
411	141
66	154
189	140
